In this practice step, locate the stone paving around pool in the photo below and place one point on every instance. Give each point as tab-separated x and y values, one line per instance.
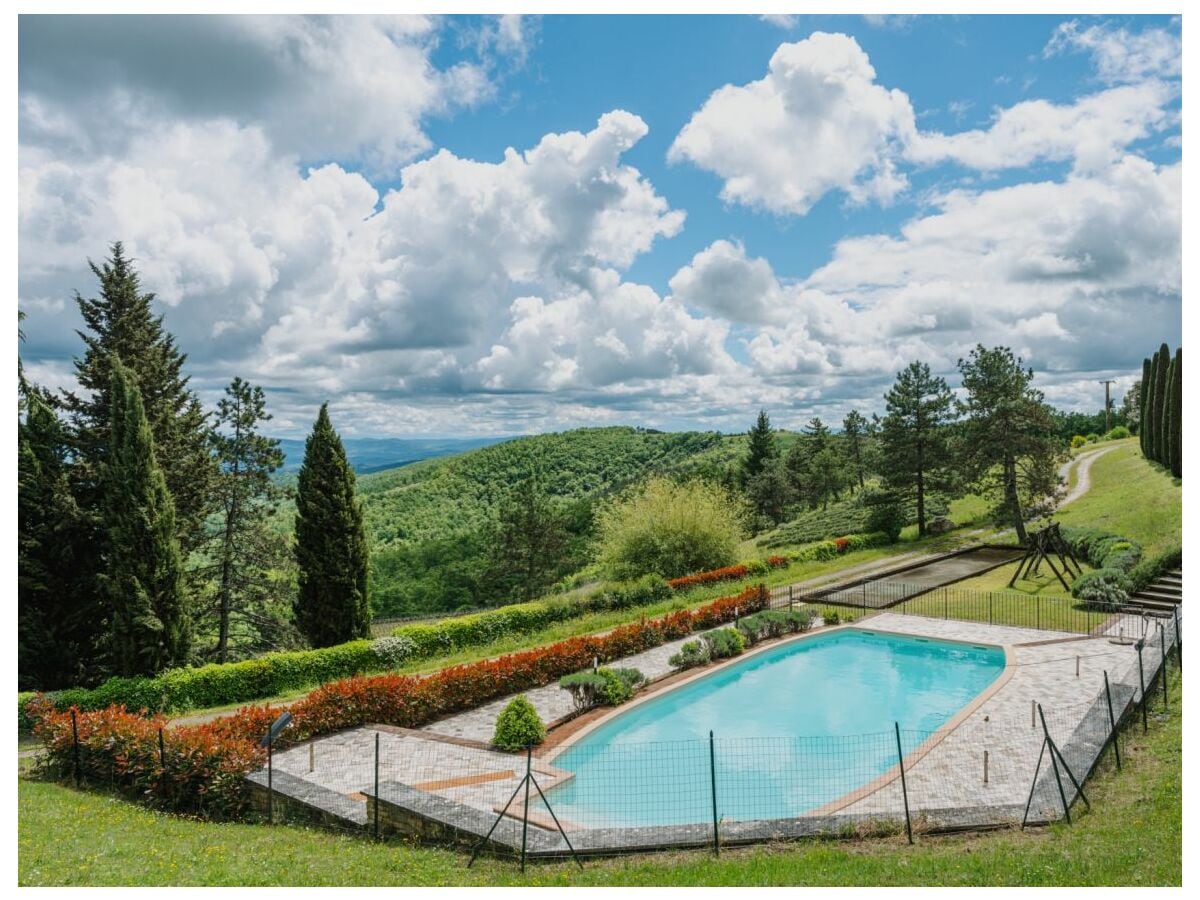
451	760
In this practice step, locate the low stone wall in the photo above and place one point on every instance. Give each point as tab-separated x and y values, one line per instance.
298	800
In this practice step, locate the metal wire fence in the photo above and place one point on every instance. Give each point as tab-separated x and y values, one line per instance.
1010	608
1013	766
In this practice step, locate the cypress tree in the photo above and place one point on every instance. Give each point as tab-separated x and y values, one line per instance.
56	628
1161	372
142	580
1151	430
1176	433
1143	396
1165	432
331	546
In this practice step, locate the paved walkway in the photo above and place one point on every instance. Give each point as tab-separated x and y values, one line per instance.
1083	482
448	758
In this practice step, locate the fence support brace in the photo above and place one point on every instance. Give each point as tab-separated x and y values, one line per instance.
903	784
525	782
1112	723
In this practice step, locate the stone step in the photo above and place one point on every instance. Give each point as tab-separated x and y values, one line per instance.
1147	594
1144	598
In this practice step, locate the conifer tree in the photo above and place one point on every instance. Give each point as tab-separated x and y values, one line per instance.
142	579
120	323
854	433
1161	372
247	553
1176	432
914	457
1168	404
1149	413
762	447
56	626
331	546
1010	451
528	543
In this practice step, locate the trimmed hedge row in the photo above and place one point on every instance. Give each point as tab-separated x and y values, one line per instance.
206	763
217	684
728	573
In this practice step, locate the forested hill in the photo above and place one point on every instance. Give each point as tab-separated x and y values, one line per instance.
436	498
429	522
369	454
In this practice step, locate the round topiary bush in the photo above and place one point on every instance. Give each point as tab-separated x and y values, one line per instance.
518	726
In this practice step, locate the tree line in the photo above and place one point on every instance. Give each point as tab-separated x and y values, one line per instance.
145	523
1161	409
997	439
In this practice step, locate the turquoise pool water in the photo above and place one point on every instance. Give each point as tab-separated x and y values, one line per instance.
795	728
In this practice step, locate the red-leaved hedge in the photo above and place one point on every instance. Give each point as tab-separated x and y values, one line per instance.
206	763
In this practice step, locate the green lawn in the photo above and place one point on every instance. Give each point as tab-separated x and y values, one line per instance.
1133	835
1131	497
1043	584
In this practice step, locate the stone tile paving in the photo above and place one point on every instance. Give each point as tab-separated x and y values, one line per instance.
950	775
551	701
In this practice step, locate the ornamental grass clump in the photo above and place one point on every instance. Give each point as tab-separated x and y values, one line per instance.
725	642
518	726
691	654
604	687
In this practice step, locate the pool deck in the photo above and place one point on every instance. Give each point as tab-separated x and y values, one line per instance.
450	759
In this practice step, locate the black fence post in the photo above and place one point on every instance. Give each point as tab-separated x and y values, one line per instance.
1039	611
377	785
75	745
270	779
525	811
1162	640
1178	639
903	784
712	770
1112	722
1142	683
1049	744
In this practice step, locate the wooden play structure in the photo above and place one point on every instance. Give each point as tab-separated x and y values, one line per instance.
1043	545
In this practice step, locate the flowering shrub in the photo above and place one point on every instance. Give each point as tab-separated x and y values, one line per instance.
777	562
841	544
206	764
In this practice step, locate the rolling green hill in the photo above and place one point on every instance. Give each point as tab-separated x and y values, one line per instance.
428	520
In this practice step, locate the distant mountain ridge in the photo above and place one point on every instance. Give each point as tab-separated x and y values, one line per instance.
375	454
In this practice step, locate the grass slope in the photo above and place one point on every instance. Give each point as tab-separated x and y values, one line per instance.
1133	836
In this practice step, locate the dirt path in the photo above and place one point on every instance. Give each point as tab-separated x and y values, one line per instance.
1083	481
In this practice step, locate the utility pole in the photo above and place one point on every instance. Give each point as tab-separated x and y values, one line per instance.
1107	403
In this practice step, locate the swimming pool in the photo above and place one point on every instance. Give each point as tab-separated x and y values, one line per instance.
796	727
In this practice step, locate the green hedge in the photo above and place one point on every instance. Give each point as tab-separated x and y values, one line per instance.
1111	557
217	684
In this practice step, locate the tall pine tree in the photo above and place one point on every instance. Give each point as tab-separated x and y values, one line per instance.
331	546
1176	430
854	433
142	581
246	551
762	448
914	451
1010	450
529	543
120	323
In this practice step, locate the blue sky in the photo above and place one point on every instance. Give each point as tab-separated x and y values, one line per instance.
721	212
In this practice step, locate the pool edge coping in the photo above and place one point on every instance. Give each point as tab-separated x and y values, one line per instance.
928	744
